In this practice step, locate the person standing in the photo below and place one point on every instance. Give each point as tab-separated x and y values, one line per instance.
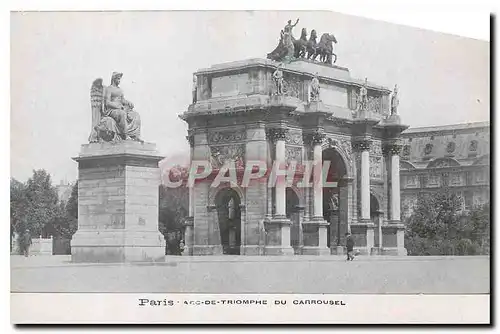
26	243
350	247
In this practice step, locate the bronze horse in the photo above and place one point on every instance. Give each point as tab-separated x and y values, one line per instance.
312	44
324	49
300	45
309	49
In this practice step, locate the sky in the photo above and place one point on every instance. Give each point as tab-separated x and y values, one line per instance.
55	56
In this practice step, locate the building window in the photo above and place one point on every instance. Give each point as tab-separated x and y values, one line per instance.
468	200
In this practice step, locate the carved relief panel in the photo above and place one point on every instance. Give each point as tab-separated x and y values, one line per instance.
224	147
222	154
376	160
293	154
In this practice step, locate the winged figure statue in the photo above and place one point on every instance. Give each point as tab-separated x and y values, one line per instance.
113	117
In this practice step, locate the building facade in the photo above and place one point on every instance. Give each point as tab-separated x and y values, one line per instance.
262	110
454	156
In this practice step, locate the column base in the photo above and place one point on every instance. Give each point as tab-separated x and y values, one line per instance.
279	250
117	246
207	250
311	250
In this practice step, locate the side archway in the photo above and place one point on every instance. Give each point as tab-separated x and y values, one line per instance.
227	203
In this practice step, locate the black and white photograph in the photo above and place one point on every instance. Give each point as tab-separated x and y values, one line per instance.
217	163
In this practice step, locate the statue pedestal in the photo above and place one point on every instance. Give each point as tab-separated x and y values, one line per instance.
118	204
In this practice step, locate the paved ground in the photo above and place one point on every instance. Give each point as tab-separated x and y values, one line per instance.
235	274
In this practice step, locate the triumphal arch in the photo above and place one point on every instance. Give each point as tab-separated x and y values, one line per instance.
295	111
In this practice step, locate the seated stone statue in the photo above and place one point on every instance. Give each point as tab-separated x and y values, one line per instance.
113	117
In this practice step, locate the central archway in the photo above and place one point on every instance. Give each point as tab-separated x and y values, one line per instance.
335	198
228	202
293	213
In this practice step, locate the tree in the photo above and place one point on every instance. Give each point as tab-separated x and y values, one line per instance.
439	227
478	228
18	205
43	202
72	211
173	208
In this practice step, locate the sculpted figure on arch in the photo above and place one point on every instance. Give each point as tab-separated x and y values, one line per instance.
113	117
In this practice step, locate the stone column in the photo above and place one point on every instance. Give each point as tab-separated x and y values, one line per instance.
317	222
257	196
280	197
364	147
317	140
365	225
278	227
393	151
189	221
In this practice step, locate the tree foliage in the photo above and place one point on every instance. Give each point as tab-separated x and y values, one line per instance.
439	227
173	209
34	205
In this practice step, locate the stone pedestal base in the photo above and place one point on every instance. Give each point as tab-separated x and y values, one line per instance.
118	203
117	246
278	236
393	239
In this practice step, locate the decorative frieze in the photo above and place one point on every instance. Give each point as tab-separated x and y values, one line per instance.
226	137
374	104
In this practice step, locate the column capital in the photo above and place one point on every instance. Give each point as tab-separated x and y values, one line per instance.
362	145
391	149
317	137
276	134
